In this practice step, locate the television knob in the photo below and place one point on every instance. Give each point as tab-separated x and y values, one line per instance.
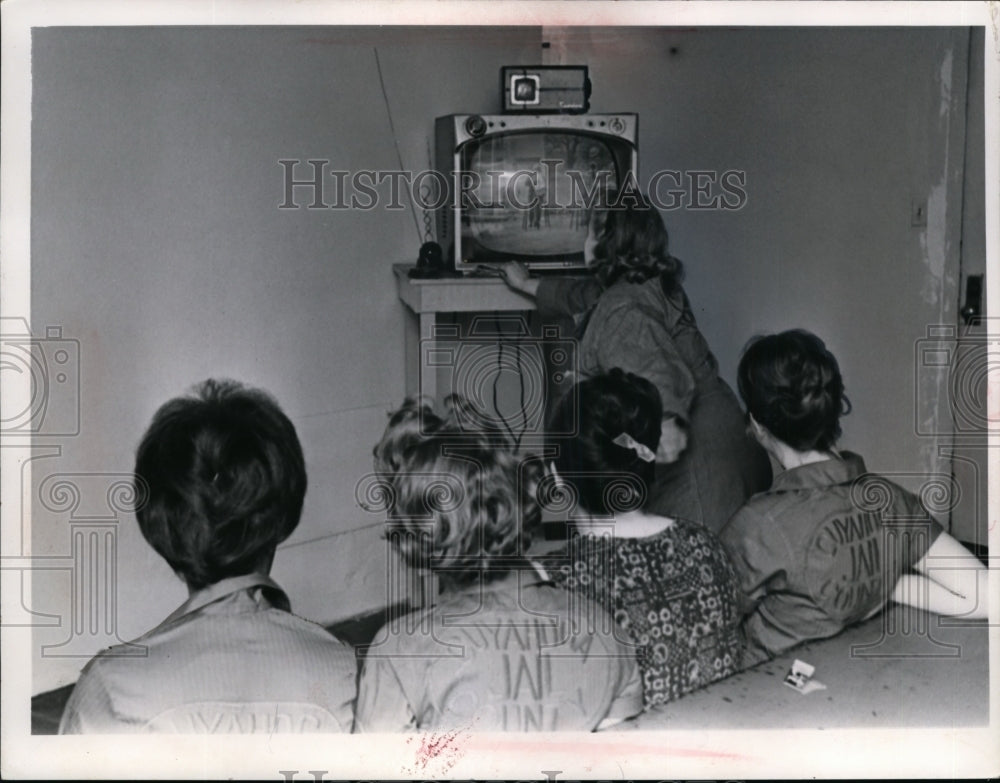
475	125
616	125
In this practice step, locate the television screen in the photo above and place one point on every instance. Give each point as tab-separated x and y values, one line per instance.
524	186
530	194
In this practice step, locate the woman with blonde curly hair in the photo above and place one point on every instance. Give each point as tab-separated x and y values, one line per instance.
501	648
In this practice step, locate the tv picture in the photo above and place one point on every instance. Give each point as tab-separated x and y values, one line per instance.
523	187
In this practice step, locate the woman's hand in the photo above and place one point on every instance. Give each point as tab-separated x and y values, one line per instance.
516	275
950	580
673	440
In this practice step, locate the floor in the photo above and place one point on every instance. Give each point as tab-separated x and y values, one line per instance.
901	669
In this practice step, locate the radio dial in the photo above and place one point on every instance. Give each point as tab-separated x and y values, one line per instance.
475	125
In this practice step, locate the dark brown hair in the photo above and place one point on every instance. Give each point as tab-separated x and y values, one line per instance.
609	405
632	246
225	478
791	385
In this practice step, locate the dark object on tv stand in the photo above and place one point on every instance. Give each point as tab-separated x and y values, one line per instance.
430	262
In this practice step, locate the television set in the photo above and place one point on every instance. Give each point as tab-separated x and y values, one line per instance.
523	187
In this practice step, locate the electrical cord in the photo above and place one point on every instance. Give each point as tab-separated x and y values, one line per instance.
520	380
496	381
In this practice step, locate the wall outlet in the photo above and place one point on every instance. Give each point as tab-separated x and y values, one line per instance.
918	212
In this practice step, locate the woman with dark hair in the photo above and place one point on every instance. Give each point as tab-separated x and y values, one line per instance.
220	481
667	581
829	544
642	322
501	648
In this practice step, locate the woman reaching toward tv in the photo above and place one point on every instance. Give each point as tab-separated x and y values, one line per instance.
635	315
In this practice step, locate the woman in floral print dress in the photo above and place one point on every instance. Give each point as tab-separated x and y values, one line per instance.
667	582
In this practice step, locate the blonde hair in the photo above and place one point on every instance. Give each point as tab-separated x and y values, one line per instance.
460	500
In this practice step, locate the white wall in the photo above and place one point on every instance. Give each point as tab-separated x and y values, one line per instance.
837	131
158	244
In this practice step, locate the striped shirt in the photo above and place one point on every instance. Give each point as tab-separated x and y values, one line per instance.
231	660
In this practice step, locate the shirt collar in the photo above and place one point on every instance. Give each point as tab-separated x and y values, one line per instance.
830	472
526	573
225	587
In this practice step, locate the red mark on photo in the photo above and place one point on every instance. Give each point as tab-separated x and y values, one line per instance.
442	747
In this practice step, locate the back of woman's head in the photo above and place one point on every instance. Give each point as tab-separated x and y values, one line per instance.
224	479
459	499
407	427
615	424
791	385
632	246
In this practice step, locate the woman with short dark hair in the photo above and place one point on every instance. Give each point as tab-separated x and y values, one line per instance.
221	480
634	315
829	544
667	581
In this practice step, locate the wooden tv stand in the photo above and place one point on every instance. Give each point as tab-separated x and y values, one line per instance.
425	298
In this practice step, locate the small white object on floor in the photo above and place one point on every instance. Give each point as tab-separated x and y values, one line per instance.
799	677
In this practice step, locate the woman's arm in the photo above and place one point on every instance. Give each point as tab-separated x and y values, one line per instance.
89	709
673	440
636	338
556	296
950	580
760	556
628	695
382	705
516	276
926	594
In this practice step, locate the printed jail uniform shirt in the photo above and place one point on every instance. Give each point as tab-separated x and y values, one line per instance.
674	594
230	660
637	327
518	654
821	550
569	299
